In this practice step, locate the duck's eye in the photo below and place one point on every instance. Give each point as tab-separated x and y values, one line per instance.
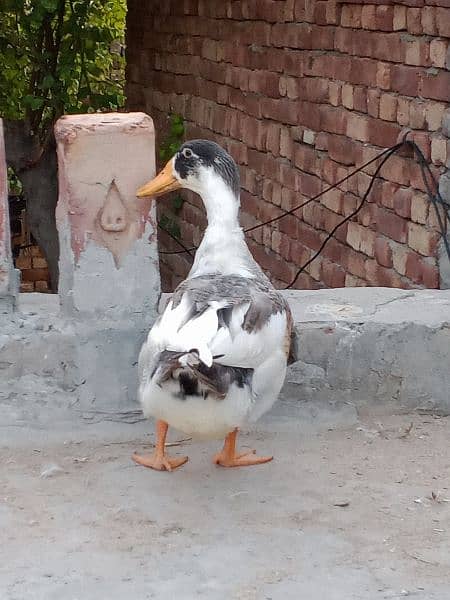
187	153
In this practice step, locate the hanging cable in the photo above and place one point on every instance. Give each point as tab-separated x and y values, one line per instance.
434	197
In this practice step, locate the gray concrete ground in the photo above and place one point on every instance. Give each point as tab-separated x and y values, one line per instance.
354	507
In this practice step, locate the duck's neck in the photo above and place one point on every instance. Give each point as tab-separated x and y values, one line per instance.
223	248
222	208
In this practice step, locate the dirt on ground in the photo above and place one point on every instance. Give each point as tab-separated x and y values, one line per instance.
353	507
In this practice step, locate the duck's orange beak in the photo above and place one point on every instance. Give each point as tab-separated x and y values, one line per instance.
164	182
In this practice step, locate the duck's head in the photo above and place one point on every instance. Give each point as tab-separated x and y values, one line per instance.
201	166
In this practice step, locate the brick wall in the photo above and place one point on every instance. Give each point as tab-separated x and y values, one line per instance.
301	93
34	270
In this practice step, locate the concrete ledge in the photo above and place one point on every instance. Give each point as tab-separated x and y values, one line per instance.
367	347
52	364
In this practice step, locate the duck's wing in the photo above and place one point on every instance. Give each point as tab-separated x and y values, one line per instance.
230	320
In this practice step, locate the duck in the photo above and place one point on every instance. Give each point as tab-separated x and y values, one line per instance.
215	360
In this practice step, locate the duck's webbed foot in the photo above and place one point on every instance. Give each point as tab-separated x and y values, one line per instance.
227	457
159	460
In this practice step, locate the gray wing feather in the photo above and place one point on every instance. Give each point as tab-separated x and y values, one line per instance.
262	298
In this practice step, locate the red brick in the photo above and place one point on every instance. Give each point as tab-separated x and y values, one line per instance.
368	17
309	236
414	21
383	77
333	120
309	185
439	150
335	251
299	253
333	275
435	85
383	133
347	96
422	240
422	139
333	200
373	102
414	267
417	178
282	110
397	169
383	252
334	93
352	281
383	46
358	127
428	20
417	114
381	276
438	53
35	274
388	107
264	82
443	21
399	256
351	15
392	226
430	275
305	158
309	115
417	52
402	202
361	238
355	263
289	199
419	208
341	149
360	71
387	194
399	19
403	111
286	143
385	18
333	12
405	80
360	99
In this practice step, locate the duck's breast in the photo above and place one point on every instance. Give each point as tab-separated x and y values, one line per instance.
198	416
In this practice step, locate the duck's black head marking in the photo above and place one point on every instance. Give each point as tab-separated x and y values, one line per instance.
197	153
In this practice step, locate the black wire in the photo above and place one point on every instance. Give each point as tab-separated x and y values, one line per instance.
188	250
434	197
389	153
293	210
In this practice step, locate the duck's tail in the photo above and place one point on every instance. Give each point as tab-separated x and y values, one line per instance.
195	377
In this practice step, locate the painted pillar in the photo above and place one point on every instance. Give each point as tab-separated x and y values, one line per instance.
9	277
109	276
108	244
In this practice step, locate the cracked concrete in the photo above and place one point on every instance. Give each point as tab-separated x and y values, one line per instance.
352	508
356	503
373	346
370	347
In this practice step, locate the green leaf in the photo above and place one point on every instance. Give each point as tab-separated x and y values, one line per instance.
49	5
48	82
33	102
83	75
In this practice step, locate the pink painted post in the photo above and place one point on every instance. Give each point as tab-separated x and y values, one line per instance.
108	244
8	276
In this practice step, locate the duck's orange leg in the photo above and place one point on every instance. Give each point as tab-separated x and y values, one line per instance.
227	457
159	459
